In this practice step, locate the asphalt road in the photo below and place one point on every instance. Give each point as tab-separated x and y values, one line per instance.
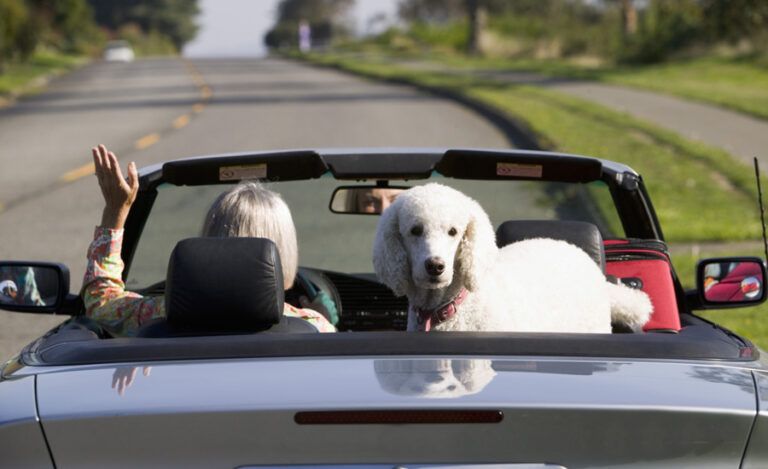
154	110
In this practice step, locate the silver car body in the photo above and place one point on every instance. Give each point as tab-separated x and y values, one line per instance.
633	401
569	412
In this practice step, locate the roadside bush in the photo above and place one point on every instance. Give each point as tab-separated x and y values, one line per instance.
451	35
15	40
665	28
146	44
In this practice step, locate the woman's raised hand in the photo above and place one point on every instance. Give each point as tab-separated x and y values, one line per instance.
119	192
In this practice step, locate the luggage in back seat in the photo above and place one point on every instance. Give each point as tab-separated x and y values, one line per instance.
644	264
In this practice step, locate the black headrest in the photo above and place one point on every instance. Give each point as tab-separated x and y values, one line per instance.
582	234
224	284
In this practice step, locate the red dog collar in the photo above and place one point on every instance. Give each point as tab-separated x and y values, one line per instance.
426	317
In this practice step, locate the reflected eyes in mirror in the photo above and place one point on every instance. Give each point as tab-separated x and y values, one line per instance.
417	230
452	232
364	199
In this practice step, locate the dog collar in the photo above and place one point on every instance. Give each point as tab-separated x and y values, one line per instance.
428	317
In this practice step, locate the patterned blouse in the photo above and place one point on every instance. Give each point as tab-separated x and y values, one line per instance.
122	312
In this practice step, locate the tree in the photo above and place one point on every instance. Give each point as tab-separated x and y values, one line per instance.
174	19
736	19
326	19
431	11
628	18
65	24
446	11
474	26
18	37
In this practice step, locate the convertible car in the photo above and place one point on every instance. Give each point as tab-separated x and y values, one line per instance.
684	392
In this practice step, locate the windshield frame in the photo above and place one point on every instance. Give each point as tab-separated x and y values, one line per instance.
626	187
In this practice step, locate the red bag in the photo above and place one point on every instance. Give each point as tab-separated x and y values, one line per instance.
644	264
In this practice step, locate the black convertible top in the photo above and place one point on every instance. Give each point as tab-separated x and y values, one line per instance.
391	163
698	340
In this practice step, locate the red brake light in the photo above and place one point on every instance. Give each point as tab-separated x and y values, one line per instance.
397	417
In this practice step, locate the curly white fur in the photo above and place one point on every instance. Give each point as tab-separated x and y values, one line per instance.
537	285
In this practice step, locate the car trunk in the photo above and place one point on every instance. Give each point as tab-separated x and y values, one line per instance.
574	413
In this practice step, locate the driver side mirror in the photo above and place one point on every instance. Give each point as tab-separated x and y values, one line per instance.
33	287
730	282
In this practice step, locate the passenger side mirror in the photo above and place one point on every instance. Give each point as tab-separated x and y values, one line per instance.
33	287
731	282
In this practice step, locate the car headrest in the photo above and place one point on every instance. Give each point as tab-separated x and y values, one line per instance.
224	284
582	234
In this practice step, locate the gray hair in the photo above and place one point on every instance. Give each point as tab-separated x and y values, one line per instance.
251	210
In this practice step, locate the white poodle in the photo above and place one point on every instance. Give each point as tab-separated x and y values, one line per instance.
436	246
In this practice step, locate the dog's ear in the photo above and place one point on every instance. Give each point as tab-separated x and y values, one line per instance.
390	260
477	250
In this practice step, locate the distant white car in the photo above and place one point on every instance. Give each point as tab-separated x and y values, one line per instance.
118	51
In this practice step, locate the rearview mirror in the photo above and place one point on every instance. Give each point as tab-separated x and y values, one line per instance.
731	282
364	200
37	287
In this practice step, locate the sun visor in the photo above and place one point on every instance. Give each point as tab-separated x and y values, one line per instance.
519	165
225	169
395	165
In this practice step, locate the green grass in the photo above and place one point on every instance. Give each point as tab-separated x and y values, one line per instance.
740	84
700	193
20	77
736	84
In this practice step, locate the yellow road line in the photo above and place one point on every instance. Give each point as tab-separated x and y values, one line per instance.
198	108
146	141
75	174
181	121
206	92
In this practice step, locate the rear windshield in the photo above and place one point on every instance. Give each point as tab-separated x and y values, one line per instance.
344	242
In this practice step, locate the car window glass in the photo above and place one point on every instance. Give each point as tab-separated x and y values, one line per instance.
344	243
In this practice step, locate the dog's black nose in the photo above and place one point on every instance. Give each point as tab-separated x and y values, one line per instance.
435	266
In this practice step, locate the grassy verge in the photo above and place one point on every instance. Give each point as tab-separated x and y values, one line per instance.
738	84
700	193
21	77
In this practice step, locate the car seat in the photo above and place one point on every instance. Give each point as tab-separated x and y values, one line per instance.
220	286
582	234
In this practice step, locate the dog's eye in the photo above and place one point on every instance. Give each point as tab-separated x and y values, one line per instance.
452	232
417	230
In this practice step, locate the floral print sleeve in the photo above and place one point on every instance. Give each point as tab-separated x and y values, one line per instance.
122	312
119	311
311	316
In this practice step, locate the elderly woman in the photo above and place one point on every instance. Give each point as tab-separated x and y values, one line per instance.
246	210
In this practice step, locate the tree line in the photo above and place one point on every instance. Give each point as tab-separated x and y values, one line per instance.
632	31
82	26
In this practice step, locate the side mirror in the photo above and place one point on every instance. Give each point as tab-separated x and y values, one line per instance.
364	200
730	282
33	287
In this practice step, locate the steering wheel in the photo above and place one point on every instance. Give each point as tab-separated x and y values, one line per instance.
314	285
